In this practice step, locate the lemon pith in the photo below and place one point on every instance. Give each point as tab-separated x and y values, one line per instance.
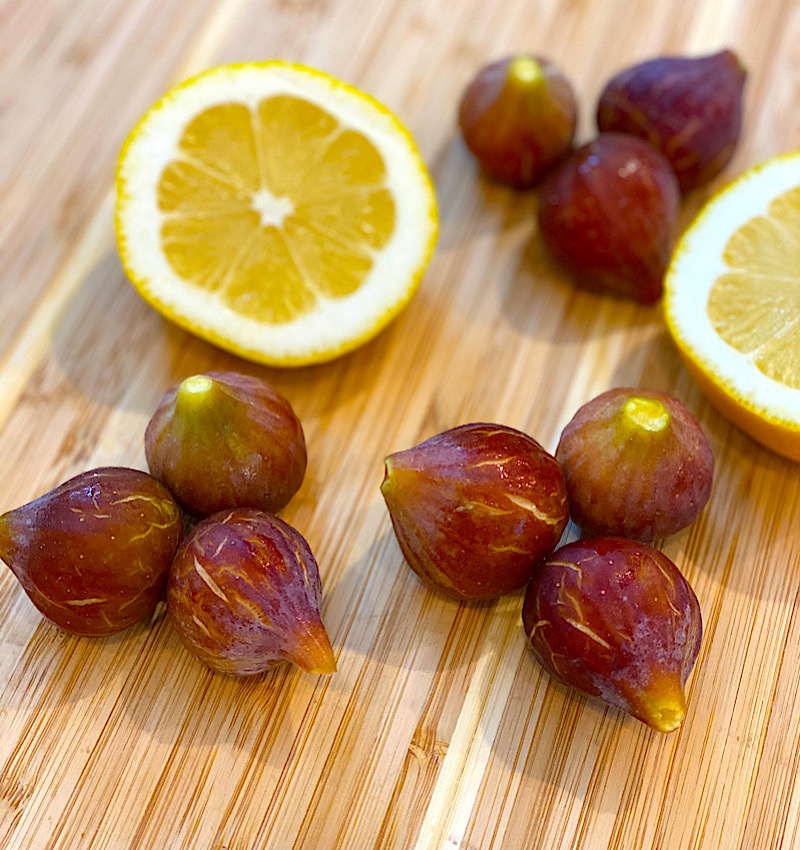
274	211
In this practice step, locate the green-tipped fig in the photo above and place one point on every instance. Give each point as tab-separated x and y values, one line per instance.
224	440
518	118
636	463
688	108
476	509
93	554
244	595
617	620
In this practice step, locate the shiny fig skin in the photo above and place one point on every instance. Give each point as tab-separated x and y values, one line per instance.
93	553
636	464
689	108
244	594
225	440
518	117
608	215
617	620
476	509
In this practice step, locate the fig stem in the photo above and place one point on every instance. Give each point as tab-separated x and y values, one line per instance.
194	386
647	413
524	71
193	394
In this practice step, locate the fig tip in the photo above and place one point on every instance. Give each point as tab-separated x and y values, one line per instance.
313	652
388	470
664	713
323	670
671	719
5	539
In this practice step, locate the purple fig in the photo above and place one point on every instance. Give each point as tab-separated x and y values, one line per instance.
689	108
244	595
617	620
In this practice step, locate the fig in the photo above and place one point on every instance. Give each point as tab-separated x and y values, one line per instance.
93	553
518	118
636	464
607	215
244	595
224	440
617	620
689	108
476	509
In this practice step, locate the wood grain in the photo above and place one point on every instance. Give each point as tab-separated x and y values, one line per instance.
439	730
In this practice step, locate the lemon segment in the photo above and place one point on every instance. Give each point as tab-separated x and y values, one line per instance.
732	302
274	211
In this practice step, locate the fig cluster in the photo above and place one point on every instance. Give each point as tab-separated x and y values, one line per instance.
97	553
479	510
608	210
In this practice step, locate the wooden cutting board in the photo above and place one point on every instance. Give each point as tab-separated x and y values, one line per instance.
439	730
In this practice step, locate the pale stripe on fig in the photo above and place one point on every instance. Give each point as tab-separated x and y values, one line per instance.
215	588
81	602
582	627
201	624
515	549
528	505
492	462
482	506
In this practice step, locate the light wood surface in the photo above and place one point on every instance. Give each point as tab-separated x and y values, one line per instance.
439	730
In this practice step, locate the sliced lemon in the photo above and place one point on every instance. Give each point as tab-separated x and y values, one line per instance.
275	211
732	302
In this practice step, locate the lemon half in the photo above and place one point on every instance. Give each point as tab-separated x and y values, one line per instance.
274	211
732	302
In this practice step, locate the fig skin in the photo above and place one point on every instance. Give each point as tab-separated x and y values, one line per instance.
617	620
636	464
476	509
93	553
518	117
244	594
688	108
224	440
608	216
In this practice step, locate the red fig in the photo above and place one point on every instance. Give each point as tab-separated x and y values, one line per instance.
617	620
224	440
476	509
93	553
244	595
636	464
608	215
518	118
689	108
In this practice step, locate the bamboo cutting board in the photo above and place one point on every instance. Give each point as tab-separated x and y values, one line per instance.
438	731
